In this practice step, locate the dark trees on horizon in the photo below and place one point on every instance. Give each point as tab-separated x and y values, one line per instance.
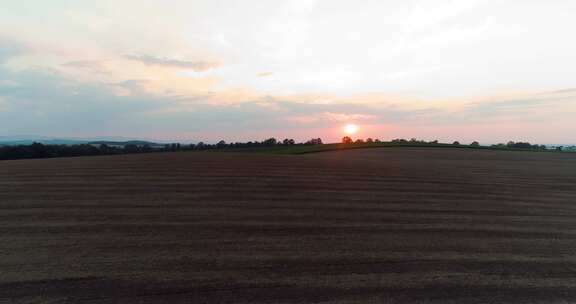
39	150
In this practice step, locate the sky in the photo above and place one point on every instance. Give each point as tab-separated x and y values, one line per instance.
238	70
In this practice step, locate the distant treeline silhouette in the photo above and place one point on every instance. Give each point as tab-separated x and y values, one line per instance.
39	150
414	141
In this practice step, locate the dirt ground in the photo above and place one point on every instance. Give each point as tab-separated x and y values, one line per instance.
396	225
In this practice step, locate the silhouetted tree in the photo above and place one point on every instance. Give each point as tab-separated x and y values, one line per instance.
399	140
221	144
456	143
146	148
346	140
475	144
270	142
38	150
131	149
105	149
314	141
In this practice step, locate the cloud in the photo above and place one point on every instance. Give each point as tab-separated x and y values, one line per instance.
3	104
426	14
8	83
131	86
344	117
197	66
92	66
47	103
527	107
10	48
330	117
83	64
563	91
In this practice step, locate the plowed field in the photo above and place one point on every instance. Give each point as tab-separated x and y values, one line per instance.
390	225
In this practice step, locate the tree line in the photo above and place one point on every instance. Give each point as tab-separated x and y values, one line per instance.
39	150
510	145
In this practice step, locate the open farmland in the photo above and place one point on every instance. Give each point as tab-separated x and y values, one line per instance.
401	225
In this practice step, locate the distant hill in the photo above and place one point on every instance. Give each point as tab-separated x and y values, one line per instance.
124	143
8	141
42	141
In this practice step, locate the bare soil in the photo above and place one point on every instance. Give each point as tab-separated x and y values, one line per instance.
402	225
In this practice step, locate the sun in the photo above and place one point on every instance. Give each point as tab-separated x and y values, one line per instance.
350	129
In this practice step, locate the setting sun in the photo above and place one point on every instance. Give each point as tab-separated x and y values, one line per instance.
350	129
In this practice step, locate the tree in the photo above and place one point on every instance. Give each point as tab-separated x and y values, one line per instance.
369	140
523	145
475	144
146	148
270	142
38	150
346	140
221	144
456	143
130	149
314	141
359	141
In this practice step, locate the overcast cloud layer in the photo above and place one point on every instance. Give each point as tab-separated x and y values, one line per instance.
242	70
